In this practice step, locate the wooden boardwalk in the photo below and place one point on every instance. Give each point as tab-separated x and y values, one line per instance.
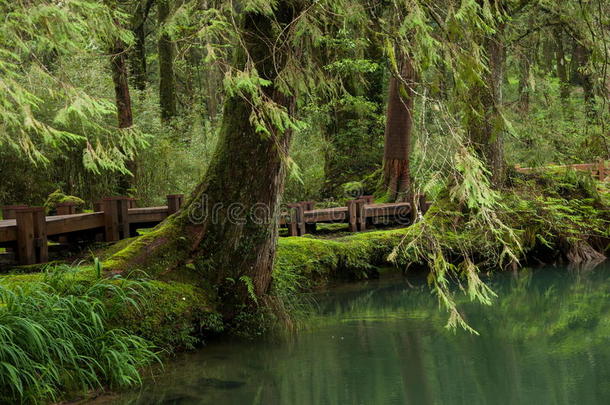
599	170
26	231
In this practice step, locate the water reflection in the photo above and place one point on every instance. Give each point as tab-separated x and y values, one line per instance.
545	341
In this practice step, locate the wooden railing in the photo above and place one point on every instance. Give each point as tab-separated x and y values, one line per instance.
599	170
26	231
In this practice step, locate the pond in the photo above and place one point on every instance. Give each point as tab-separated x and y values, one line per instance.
546	340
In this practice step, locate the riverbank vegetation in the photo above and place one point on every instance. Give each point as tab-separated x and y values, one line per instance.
255	104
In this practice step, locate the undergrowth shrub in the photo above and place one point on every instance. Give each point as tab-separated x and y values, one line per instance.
55	338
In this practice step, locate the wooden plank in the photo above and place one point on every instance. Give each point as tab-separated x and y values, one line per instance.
332	215
391	209
147	215
62	224
8	230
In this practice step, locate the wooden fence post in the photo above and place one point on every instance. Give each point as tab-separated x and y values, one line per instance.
67	208
174	203
423	207
25	236
352	216
8	211
309	206
601	170
41	246
296	227
361	215
291	221
369	199
116	218
32	244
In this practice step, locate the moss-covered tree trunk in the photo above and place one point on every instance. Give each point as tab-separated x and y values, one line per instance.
167	85
118	63
399	124
560	60
225	235
138	53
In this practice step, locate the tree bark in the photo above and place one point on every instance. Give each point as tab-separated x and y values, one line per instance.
225	235
486	126
138	54
167	85
118	64
560	60
120	76
399	124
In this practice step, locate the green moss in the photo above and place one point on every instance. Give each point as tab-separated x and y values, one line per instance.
175	316
57	197
170	244
306	262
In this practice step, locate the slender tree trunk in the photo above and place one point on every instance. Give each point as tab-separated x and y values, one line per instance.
398	129
560	60
581	76
524	86
486	126
138	54
167	85
226	234
118	63
120	76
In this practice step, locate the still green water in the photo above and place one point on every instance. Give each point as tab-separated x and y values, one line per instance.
546	340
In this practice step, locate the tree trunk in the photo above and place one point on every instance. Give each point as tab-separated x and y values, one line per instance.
560	59
225	235
486	126
118	64
399	124
167	85
581	76
138	54
121	85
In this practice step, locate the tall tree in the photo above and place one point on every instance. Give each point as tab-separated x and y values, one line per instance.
139	69
399	125
228	228
120	79
120	74
167	85
485	123
561	63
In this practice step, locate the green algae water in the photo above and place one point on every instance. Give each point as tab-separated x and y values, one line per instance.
546	340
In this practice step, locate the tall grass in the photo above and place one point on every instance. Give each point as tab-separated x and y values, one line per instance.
55	339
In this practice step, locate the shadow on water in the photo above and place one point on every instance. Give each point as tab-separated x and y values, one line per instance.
544	341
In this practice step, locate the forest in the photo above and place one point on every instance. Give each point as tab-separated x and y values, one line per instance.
211	177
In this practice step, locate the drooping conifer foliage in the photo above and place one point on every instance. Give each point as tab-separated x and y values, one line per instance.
247	104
